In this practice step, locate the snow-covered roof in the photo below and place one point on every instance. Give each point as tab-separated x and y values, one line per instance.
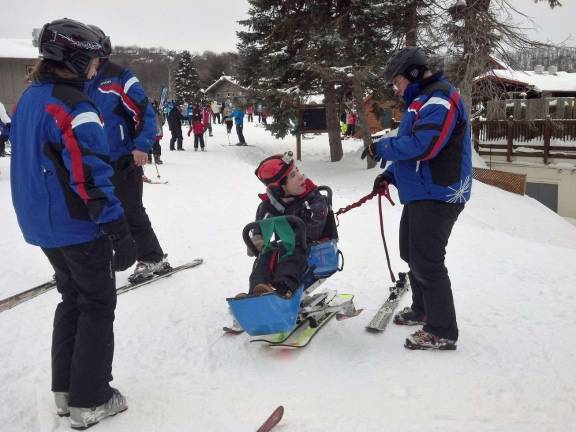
317	99
543	81
18	48
220	80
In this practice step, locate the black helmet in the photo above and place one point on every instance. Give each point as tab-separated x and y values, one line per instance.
104	40
70	42
410	62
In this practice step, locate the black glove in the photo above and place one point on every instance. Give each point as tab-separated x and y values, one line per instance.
122	242
381	181
370	151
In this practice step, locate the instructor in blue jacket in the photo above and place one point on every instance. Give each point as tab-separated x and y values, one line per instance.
431	166
130	126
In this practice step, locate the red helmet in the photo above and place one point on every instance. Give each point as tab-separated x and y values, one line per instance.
274	169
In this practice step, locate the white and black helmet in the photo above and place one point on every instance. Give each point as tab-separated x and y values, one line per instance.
104	40
410	62
70	42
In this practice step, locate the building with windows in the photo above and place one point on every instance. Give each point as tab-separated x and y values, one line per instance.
17	58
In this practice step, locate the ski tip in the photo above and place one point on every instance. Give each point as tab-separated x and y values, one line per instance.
273	420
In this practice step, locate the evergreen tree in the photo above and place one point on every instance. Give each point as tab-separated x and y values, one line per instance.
302	47
186	81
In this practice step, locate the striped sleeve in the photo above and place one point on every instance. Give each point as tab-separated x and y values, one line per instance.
85	156
431	130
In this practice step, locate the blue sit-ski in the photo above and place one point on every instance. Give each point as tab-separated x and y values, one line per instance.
293	322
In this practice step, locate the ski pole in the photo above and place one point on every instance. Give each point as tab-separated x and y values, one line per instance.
156	165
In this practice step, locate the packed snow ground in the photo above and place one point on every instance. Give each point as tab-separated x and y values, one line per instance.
511	262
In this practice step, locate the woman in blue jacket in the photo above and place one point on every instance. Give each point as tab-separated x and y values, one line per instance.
65	204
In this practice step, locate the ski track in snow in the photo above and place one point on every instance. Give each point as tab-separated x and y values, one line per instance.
511	262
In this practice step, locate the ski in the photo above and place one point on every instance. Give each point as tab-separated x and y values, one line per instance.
379	322
232	330
305	333
276	338
10	302
131	286
150	181
273	420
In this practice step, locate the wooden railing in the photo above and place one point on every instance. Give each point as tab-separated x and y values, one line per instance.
525	138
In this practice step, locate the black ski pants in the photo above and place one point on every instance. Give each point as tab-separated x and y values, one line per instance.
83	335
198	138
229	124
240	133
128	185
176	138
425	228
287	274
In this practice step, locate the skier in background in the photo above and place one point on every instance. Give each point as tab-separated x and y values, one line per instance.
59	162
156	148
238	115
4	129
198	128
175	119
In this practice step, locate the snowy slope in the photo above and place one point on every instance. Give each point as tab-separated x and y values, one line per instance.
511	262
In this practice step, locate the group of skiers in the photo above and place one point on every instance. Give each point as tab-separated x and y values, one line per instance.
81	134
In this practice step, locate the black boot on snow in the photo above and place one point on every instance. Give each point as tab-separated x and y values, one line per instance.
422	340
408	317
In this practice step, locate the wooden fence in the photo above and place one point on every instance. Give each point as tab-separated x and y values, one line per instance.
525	138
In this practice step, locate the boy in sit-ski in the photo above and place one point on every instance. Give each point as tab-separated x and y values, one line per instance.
288	192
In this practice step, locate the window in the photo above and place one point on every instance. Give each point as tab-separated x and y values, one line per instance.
546	193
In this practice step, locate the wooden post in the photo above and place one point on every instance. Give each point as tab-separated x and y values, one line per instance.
476	134
299	146
547	135
509	139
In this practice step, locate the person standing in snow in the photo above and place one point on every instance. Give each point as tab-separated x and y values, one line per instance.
207	118
238	115
156	148
351	120
198	128
215	112
175	119
65	203
288	192
431	167
130	126
227	118
5	124
250	113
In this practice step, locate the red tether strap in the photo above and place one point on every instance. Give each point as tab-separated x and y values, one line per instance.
383	190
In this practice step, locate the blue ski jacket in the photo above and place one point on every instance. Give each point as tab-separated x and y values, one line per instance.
431	155
60	176
238	115
129	119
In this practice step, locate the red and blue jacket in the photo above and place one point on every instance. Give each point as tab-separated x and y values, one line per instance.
431	155
60	176
129	119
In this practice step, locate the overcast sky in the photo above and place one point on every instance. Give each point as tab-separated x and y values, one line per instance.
199	25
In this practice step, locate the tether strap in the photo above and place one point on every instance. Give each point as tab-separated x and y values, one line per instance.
383	190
